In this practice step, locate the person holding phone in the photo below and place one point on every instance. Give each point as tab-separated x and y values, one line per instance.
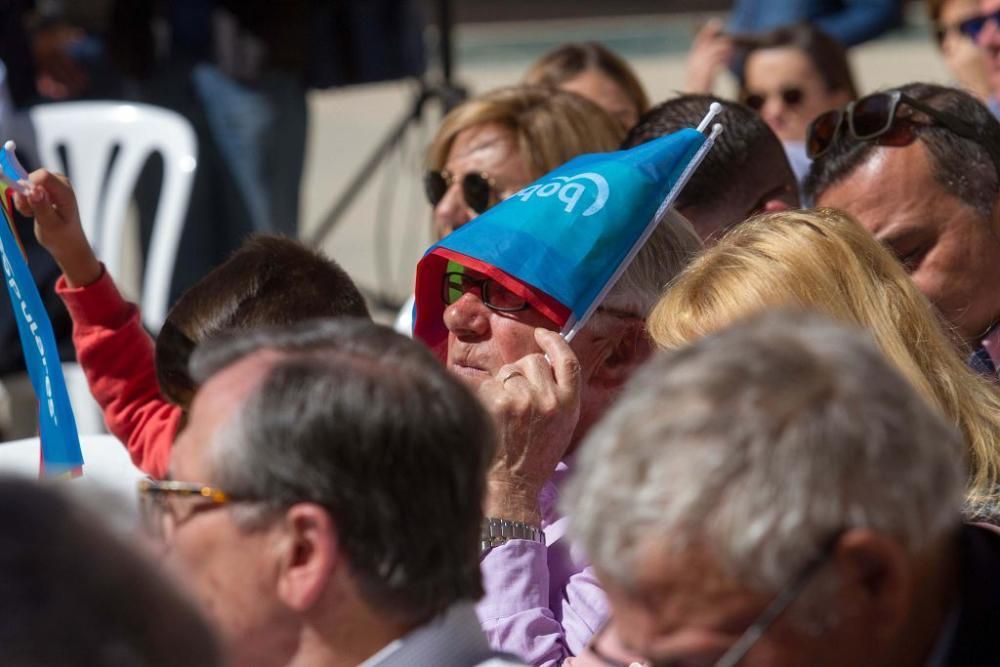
789	76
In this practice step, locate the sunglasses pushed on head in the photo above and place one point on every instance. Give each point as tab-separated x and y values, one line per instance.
877	117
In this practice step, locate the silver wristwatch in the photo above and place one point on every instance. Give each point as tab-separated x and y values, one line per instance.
498	531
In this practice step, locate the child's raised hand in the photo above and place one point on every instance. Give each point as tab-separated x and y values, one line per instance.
50	200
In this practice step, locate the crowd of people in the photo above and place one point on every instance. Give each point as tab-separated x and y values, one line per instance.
774	438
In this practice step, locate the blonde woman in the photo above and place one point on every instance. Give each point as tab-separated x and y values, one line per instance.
496	143
823	260
493	145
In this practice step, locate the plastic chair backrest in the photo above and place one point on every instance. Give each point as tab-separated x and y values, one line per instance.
89	133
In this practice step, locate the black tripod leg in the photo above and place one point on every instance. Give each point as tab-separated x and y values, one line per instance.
360	179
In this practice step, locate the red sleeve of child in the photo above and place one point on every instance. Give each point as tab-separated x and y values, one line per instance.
116	355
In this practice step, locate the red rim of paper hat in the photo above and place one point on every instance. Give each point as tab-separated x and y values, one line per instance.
549	307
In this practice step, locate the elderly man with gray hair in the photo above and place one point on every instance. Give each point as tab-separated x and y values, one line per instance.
324	500
542	602
776	494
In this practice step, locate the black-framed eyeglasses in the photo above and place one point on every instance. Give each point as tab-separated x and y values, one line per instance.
478	189
493	295
792	97
160	515
971	27
876	117
746	641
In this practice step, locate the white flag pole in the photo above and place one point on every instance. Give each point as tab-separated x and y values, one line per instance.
573	326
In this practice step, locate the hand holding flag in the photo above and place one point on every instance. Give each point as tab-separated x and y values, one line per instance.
61	453
49	199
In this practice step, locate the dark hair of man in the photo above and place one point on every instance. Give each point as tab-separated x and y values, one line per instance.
268	281
368	424
746	146
71	594
963	167
827	55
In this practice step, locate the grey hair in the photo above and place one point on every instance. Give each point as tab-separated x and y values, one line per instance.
760	443
366	423
669	249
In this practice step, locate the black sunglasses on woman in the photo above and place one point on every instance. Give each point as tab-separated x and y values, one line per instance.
478	190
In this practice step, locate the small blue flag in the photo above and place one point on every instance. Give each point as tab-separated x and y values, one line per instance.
563	241
61	455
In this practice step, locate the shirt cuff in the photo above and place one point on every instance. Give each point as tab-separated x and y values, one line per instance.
515	578
97	303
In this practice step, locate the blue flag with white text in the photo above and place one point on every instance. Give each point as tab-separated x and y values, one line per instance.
61	455
562	242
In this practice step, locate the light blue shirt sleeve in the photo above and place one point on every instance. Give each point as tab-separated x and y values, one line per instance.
849	21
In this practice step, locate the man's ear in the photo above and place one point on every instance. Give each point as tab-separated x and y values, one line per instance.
775	205
877	581
309	555
628	347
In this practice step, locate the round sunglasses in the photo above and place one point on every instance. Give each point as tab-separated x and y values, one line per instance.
478	190
792	97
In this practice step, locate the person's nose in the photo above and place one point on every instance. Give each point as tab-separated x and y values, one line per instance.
451	212
468	317
772	110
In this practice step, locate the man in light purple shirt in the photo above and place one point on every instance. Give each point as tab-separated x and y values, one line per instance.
542	603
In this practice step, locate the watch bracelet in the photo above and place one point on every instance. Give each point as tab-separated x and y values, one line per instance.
497	531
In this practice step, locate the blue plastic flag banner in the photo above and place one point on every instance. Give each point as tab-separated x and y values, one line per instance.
61	455
562	242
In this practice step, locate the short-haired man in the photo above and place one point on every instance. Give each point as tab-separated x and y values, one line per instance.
926	182
324	501
776	494
745	173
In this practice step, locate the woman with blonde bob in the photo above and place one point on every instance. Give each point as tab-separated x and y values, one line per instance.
823	260
493	145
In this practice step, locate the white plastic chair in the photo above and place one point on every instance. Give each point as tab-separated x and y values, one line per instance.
89	132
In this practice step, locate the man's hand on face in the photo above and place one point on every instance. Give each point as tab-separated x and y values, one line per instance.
535	406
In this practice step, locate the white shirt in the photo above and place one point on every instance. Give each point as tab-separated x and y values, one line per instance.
404	319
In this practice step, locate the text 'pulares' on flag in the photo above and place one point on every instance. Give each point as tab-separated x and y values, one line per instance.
563	240
60	444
